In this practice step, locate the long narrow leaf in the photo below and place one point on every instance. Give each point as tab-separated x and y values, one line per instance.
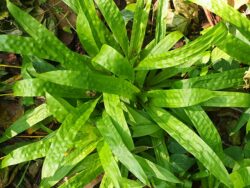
114	18
215	81
196	146
37	87
139	26
28	152
114	62
65	137
109	164
205	127
235	48
161	20
240	178
113	107
114	140
176	98
91	81
29	119
85	34
229	99
184	54
44	38
58	107
92	169
157	171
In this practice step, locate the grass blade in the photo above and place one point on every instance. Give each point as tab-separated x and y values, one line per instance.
100	32
161	151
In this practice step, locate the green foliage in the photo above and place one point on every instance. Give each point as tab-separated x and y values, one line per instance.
122	106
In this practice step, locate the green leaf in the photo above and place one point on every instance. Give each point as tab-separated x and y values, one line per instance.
166	43
109	164
141	125
205	127
113	108
71	160
114	62
26	46
100	32
161	24
228	13
114	140
181	162
106	182
196	146
91	81
92	168
139	26
128	183
85	35
235	48
157	171
229	99
65	138
46	39
215	81
240	178
184	54
115	22
28	152
244	118
176	98
72	4
37	87
58	107
29	119
161	151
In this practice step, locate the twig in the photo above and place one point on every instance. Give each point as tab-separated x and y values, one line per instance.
10	66
209	17
30	136
6	94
